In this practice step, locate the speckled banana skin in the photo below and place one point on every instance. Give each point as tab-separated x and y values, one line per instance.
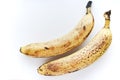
65	43
83	57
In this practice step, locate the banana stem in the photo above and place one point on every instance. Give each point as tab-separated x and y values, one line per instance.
107	14
107	18
88	6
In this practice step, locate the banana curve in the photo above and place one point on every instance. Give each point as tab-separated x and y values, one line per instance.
83	57
65	43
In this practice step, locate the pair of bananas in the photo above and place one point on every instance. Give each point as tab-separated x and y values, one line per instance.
79	59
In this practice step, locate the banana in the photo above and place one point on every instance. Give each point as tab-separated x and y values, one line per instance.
83	57
65	43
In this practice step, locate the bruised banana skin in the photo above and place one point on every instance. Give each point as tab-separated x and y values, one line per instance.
83	57
65	43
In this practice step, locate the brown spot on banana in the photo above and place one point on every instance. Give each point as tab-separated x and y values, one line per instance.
46	48
53	67
83	57
84	28
65	43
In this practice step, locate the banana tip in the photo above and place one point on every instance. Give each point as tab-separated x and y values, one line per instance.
40	71
20	49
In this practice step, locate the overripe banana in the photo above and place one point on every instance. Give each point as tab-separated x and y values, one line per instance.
83	57
65	43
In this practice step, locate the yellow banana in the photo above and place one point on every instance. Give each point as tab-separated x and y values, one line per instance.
83	57
65	43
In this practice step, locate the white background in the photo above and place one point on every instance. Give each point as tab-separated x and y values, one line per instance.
26	21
